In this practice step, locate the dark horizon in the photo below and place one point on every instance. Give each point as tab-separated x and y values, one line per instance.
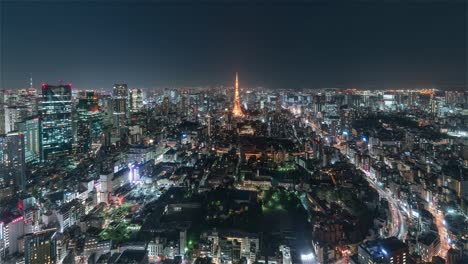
308	44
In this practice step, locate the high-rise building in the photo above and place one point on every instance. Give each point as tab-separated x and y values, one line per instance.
89	121
30	129
55	112
13	115
11	229
2	112
107	108
40	247
182	242
120	102
278	104
12	161
183	104
136	100
208	124
318	103
166	106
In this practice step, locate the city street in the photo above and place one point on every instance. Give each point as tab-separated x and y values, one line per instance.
399	228
439	221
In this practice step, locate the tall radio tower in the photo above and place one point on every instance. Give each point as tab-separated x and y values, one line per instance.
237	110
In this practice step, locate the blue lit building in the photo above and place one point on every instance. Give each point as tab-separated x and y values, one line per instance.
389	250
55	113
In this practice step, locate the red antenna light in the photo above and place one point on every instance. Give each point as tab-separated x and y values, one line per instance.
70	84
44	85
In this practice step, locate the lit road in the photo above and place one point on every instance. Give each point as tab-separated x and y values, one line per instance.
316	128
322	133
398	224
439	221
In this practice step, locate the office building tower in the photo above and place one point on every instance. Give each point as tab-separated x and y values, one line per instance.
40	247
318	103
55	113
120	103
30	129
12	161
183	104
13	115
166	106
208	124
89	121
2	96
106	107
2	112
136	100
11	229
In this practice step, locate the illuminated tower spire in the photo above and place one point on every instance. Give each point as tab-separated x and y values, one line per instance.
237	110
237	86
30	81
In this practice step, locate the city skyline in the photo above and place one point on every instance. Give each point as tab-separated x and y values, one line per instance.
307	44
233	132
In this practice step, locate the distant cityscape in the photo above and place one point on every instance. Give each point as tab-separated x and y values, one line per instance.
233	174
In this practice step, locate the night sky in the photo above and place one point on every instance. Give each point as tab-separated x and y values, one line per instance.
308	44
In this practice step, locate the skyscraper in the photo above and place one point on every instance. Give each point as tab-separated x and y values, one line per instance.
120	101
55	112
11	229
166	106
12	161
13	115
237	110
89	121
136	100
30	129
2	112
183	103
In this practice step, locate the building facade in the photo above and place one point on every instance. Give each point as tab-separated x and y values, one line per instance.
55	112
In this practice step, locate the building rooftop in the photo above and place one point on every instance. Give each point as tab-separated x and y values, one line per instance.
381	248
8	217
129	256
429	238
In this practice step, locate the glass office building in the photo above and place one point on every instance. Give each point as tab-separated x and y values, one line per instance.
55	112
89	121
